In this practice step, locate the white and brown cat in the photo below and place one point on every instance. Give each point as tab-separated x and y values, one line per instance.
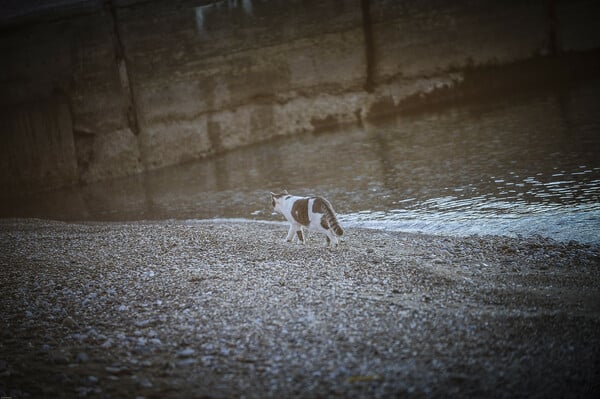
314	213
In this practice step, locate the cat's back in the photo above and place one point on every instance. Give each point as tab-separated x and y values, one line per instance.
320	205
300	209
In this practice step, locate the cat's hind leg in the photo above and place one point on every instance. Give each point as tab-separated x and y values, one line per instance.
300	235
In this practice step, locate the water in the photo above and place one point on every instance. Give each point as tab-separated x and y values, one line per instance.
525	165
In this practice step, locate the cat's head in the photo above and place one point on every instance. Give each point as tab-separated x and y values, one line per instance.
277	199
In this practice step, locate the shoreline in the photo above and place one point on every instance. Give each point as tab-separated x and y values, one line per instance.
389	226
227	309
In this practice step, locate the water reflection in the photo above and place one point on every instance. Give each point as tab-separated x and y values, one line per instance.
527	165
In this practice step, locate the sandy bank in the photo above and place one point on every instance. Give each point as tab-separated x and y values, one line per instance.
213	309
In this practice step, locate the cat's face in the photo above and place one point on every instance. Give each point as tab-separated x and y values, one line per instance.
277	199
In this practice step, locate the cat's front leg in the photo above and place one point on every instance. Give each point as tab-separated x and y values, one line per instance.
290	234
331	239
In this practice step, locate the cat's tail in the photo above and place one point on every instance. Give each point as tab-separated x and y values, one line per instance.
334	224
329	213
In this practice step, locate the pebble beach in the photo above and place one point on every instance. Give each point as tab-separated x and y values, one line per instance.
227	309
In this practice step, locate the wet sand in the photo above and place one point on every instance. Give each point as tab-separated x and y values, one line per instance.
227	309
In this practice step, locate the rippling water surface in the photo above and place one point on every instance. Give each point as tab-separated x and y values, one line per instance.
525	165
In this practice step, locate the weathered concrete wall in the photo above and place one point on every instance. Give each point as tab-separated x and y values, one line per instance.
150	84
74	57
219	76
413	39
43	153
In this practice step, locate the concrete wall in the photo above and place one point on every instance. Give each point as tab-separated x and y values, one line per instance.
224	75
43	153
73	56
141	85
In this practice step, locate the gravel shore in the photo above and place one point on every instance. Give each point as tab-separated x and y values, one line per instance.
228	309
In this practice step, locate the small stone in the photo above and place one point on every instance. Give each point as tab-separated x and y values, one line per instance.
115	369
58	357
70	323
92	379
82	357
83	392
144	383
149	274
79	337
187	352
144	323
186	362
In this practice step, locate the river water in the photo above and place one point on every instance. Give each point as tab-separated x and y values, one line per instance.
519	166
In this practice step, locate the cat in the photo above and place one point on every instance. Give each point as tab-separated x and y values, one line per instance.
314	213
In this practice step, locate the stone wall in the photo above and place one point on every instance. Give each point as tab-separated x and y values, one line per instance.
140	85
